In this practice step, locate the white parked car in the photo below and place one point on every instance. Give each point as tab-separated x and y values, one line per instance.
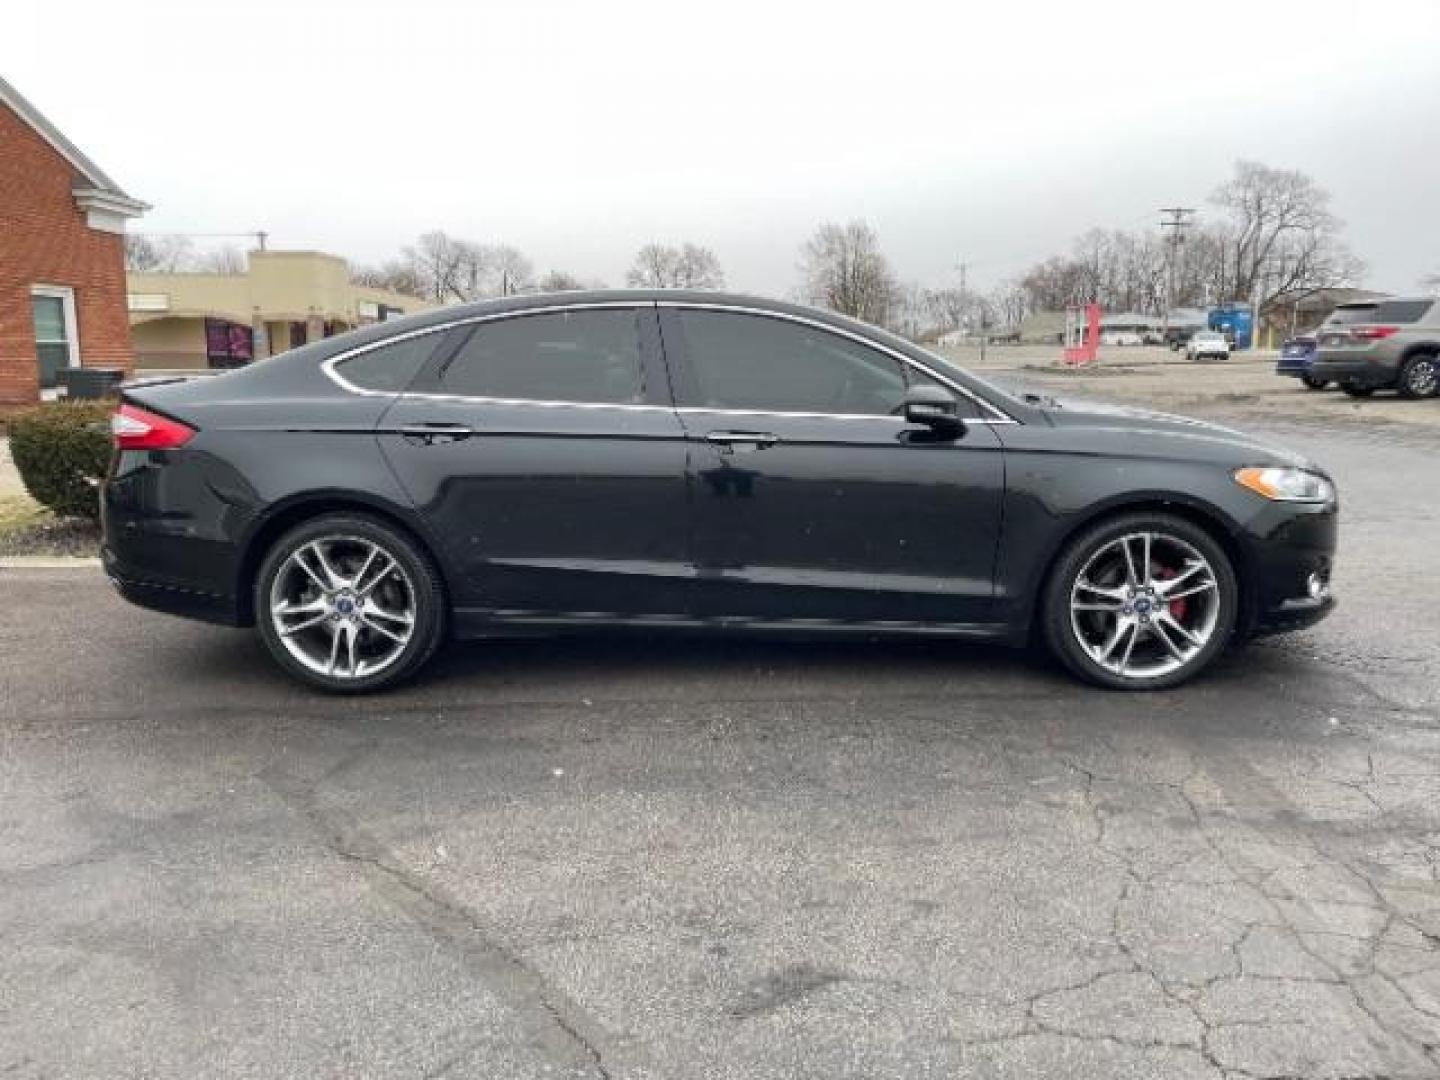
1121	337
1207	345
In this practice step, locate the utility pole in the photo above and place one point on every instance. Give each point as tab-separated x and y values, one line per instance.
1177	219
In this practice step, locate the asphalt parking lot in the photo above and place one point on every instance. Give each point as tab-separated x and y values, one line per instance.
720	858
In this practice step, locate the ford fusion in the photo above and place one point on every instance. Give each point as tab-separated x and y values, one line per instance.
693	461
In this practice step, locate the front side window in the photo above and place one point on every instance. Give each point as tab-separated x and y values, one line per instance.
55	347
586	356
753	363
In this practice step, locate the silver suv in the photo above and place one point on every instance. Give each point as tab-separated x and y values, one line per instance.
1394	344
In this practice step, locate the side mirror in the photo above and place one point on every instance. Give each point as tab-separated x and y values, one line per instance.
936	409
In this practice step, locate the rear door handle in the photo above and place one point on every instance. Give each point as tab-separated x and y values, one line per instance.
432	433
741	440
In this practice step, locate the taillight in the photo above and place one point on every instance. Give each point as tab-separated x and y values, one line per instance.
1373	333
136	429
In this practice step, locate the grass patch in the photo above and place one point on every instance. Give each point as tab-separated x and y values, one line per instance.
19	512
27	528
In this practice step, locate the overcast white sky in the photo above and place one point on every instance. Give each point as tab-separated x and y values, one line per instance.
986	132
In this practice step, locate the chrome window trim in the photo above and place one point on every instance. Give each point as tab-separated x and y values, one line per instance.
329	365
999	416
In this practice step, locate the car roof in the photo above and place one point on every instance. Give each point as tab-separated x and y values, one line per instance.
579	297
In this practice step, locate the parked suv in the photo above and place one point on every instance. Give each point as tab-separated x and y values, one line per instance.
1393	344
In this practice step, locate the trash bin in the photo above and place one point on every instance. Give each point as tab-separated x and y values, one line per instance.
90	382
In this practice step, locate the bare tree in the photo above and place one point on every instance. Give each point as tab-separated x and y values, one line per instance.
559	281
844	269
689	266
228	260
699	268
396	275
474	270
158	253
436	259
513	272
952	308
1283	239
653	268
1010	304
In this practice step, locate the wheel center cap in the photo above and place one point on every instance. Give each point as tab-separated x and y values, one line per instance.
1142	604
345	604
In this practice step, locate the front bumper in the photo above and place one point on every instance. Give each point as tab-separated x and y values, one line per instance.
1293	615
1292	555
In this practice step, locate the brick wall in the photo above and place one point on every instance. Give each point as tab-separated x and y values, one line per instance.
44	241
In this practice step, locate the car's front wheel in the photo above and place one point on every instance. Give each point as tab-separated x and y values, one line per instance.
349	603
1420	377
1140	602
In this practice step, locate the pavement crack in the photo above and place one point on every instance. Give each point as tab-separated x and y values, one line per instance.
557	1023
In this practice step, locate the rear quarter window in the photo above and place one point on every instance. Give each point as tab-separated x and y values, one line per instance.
1349	314
388	368
1401	311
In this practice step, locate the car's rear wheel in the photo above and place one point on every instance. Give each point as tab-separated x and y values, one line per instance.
348	603
1355	390
1311	382
1420	377
1140	602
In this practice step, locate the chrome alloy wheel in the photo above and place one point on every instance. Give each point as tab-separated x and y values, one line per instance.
1422	377
1145	605
342	606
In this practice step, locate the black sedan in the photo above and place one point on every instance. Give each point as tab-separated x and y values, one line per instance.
696	461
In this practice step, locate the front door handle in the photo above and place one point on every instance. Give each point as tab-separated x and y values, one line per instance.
730	441
429	434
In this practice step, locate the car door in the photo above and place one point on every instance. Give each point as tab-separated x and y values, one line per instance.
543	449
812	497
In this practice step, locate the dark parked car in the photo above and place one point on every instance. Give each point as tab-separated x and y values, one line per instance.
1296	356
669	460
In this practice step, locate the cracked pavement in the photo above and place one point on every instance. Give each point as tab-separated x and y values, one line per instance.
730	858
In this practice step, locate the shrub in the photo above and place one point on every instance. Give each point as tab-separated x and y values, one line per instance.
62	449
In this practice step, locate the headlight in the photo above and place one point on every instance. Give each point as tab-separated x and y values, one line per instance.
1286	484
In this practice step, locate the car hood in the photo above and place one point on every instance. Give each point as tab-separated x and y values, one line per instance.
1136	430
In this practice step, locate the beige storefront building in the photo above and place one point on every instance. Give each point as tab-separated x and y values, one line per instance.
285	299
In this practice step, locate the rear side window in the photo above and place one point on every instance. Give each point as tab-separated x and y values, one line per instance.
1401	311
388	368
1348	314
587	357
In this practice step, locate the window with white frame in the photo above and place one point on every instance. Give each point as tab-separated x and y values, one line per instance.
57	343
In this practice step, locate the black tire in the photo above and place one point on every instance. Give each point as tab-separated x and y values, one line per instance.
1055	603
1310	382
1420	377
426	588
1356	391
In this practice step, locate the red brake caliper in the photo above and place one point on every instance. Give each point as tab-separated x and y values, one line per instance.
1177	607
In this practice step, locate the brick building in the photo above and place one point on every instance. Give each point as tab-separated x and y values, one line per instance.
62	257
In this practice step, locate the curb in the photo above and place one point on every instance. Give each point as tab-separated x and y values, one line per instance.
49	562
